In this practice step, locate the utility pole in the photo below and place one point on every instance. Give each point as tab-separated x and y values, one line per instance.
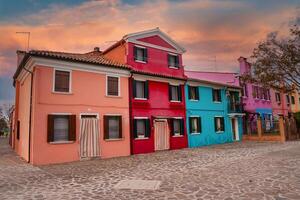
28	38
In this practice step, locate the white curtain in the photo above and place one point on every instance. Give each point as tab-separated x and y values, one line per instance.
89	138
161	135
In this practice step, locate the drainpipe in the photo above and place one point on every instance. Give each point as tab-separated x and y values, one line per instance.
30	112
130	112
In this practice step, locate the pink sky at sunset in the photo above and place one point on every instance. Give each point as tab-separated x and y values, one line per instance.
206	29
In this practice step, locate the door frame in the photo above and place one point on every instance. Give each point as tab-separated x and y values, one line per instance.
161	120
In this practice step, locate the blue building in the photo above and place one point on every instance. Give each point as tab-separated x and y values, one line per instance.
214	113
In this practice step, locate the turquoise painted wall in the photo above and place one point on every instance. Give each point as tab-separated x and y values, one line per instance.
207	110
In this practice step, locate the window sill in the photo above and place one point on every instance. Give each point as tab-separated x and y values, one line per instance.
141	138
217	101
194	99
112	96
172	67
173	101
175	136
220	132
62	142
112	140
64	93
195	133
142	99
140	61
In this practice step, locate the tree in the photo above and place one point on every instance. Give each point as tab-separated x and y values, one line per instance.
277	61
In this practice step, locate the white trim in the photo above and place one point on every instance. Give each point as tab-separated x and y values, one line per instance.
112	115
194	116
106	87
141	138
177	117
62	142
195	133
140	117
172	67
70	80
173	54
140	61
177	135
217	102
175	101
80	115
142	47
61	114
142	77
142	99
194	100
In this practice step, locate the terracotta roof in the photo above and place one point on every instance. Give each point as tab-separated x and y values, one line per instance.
94	57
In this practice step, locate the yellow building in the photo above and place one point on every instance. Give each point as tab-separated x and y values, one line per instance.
295	101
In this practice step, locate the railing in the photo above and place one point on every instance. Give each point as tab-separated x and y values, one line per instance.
270	127
235	107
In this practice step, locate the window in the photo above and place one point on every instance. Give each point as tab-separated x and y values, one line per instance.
288	99
141	128
112	86
245	90
18	129
277	97
140	54
174	93
216	93
193	93
140	89
61	128
112	127
219	124
268	94
254	91
293	100
195	125
177	127
173	61
62	81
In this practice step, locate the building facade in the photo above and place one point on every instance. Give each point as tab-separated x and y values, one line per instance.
156	90
70	107
295	101
214	112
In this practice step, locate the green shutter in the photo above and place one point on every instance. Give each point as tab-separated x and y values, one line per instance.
177	61
145	55
172	126
181	126
222	124
189	92
148	128
213	96
197	93
135	52
215	124
133	88
190	124
179	93
147	89
169	59
170	92
134	128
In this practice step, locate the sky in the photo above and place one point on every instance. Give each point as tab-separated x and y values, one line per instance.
214	32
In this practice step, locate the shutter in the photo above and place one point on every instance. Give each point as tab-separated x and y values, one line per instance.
213	96
72	127
177	61
134	128
169	59
222	124
171	122
135	52
148	129
120	126
199	125
134	88
179	93
219	96
50	133
147	89
181	127
170	93
189	92
190	124
105	127
197	93
145	55
215	124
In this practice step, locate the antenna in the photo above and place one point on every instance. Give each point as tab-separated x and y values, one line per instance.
28	37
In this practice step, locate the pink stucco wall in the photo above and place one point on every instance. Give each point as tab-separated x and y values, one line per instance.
227	78
281	108
88	96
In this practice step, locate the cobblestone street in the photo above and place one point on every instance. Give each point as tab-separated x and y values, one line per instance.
248	170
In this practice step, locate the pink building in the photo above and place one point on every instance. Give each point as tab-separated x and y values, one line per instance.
70	107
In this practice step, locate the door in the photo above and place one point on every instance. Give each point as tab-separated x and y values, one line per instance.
161	135
89	136
235	130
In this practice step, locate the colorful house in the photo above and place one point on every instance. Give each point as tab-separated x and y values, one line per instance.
156	90
281	103
70	106
214	111
295	101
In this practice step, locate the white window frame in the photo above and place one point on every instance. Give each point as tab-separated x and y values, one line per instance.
70	81
106	87
194	116
177	134
172	67
175	101
220	94
138	98
139	61
141	138
219	116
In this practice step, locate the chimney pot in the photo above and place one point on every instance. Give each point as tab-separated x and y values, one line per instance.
96	49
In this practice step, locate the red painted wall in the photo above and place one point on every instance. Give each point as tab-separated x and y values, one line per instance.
157	41
157	62
157	105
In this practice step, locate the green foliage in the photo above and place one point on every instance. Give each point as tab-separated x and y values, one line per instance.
297	117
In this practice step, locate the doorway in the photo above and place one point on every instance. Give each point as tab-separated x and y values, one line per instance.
235	129
161	135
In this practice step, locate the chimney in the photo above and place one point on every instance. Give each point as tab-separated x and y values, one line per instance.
96	49
245	66
20	56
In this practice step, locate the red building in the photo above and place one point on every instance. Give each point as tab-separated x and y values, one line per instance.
157	102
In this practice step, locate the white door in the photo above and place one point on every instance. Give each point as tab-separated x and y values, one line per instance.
235	129
161	135
89	137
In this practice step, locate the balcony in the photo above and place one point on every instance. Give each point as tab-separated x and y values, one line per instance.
235	107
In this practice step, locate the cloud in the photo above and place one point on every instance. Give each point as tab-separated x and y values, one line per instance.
208	29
